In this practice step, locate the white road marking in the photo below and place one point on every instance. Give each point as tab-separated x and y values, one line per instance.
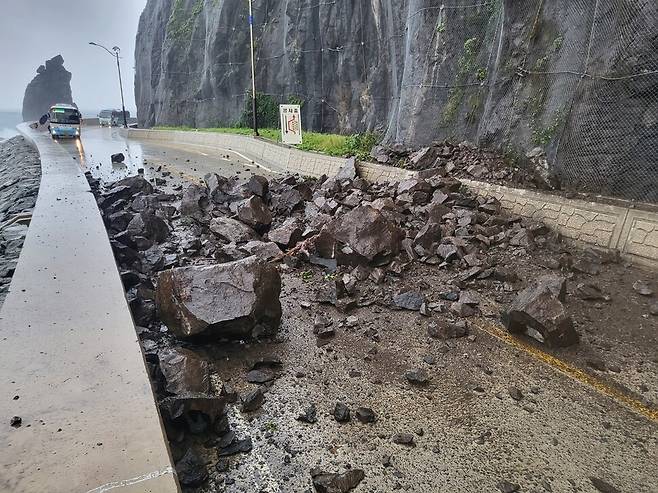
132	481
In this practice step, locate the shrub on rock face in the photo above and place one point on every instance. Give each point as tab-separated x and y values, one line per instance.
233	300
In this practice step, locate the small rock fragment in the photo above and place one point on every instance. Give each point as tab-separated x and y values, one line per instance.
515	393
341	412
404	439
365	415
603	486
191	469
309	415
325	482
253	400
643	288
238	446
417	377
507	487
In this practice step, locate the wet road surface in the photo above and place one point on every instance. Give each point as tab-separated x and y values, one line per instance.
185	162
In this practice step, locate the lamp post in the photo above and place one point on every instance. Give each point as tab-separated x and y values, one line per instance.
115	53
253	70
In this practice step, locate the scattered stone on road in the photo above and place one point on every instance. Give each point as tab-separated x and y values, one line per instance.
507	487
404	439
539	311
365	415
191	469
253	400
326	482
603	486
417	377
341	412
643	288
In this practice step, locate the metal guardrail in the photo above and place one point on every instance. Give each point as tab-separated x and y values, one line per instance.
71	366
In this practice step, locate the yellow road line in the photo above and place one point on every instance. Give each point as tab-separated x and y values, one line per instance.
569	370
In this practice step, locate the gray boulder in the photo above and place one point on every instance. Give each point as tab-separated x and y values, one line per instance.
195	202
265	250
361	236
539	311
220	188
258	185
254	212
184	371
233	300
288	234
231	230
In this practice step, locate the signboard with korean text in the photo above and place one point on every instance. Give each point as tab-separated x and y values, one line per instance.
291	123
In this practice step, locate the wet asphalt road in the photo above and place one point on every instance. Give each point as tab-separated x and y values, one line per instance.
186	163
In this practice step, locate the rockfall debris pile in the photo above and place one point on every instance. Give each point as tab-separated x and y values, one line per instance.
203	264
465	160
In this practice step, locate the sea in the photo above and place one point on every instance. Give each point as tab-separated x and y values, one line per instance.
8	122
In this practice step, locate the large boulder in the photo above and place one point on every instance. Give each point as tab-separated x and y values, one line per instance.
231	230
361	236
253	212
288	234
184	371
195	202
233	300
149	226
220	188
539	311
136	184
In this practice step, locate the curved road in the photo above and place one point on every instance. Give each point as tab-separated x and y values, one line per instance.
184	162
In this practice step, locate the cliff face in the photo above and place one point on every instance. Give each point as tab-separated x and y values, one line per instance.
578	79
51	85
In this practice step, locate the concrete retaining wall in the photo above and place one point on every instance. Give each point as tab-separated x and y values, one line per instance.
631	231
70	352
286	158
621	227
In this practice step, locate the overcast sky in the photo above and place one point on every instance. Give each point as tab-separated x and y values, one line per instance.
32	31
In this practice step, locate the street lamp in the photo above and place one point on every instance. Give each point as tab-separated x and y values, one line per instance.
253	70
115	53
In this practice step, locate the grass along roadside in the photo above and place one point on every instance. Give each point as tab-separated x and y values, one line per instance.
358	145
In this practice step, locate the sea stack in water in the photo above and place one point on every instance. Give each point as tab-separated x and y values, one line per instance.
51	85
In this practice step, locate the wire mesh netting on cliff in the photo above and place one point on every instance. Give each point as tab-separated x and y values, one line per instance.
577	78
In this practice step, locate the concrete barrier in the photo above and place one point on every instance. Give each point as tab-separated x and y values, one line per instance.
288	159
623	227
70	355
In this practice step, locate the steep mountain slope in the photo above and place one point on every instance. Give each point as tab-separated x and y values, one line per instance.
579	79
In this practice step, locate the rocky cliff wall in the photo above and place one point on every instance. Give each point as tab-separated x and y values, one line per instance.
51	85
579	79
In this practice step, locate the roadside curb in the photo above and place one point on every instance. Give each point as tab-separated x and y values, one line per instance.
71	354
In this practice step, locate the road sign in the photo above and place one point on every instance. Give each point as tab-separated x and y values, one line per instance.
291	123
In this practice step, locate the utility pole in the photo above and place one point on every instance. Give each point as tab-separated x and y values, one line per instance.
115	53
253	70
